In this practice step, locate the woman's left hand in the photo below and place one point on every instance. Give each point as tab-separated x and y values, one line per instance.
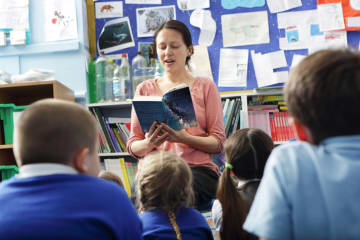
175	136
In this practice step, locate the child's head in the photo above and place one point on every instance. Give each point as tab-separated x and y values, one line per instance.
111	177
323	93
247	151
57	131
165	182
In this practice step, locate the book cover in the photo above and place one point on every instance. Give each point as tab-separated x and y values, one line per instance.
175	108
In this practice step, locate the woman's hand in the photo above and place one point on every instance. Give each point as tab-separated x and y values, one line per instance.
173	135
156	135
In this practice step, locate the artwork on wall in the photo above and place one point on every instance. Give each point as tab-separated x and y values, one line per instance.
149	19
116	35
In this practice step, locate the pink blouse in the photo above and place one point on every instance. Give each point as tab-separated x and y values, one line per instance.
209	114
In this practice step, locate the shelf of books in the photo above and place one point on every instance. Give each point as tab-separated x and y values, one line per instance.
258	109
126	170
113	121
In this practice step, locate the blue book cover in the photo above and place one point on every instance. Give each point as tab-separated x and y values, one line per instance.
175	108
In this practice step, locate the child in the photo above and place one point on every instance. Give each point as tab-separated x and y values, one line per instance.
56	194
246	152
165	194
111	177
310	187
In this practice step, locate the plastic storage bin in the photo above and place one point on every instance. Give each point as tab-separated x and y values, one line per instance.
8	171
7	117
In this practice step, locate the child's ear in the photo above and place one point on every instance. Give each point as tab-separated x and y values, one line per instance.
301	132
80	163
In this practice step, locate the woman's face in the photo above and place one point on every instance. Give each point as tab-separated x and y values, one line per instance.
171	50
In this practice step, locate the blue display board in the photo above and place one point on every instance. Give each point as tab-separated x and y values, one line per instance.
214	50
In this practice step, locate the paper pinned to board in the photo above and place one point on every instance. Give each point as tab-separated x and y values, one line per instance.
337	39
331	17
202	19
233	67
242	29
277	59
264	73
200	62
14	14
192	4
276	6
297	58
108	9
231	4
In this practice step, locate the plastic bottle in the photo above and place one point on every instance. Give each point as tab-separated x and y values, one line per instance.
159	70
118	83
139	65
125	74
100	77
92	95
109	74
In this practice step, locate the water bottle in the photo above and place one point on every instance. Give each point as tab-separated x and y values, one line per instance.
109	74
100	77
118	83
138	65
92	95
125	74
159	70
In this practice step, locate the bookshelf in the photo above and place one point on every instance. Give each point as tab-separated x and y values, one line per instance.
114	112
246	103
26	93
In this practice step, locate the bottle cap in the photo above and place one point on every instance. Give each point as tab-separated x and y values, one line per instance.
118	62
124	55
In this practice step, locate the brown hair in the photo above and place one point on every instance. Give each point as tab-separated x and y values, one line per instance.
53	131
323	93
180	28
165	183
247	150
111	177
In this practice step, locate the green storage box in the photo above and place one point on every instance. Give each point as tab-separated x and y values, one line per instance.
8	171
7	117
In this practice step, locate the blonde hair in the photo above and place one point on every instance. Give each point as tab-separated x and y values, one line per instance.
165	183
111	177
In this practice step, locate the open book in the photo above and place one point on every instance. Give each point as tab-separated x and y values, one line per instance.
175	109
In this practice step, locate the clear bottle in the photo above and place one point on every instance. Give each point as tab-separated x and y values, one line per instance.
118	83
159	70
109	74
139	67
92	93
100	77
125	74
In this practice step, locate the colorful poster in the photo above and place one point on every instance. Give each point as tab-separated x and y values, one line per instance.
351	12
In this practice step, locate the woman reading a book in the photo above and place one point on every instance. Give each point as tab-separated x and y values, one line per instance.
196	144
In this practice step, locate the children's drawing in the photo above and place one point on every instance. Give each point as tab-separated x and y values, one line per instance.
150	19
108	9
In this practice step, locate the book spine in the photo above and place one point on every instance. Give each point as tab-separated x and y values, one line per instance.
126	178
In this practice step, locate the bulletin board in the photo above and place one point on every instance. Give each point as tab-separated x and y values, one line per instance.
214	50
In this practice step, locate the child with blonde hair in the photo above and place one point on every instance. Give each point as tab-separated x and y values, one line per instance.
165	194
107	175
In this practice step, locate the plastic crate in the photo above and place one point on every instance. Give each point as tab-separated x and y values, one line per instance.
7	116
8	171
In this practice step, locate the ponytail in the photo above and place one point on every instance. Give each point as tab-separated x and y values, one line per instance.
173	223
234	208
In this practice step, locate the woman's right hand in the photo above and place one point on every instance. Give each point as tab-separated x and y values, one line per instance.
156	135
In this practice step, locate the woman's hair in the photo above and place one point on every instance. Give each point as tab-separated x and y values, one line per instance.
111	177
247	150
180	28
165	183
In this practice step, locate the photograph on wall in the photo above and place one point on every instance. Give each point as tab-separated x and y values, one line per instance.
108	9
146	49
149	19
116	35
